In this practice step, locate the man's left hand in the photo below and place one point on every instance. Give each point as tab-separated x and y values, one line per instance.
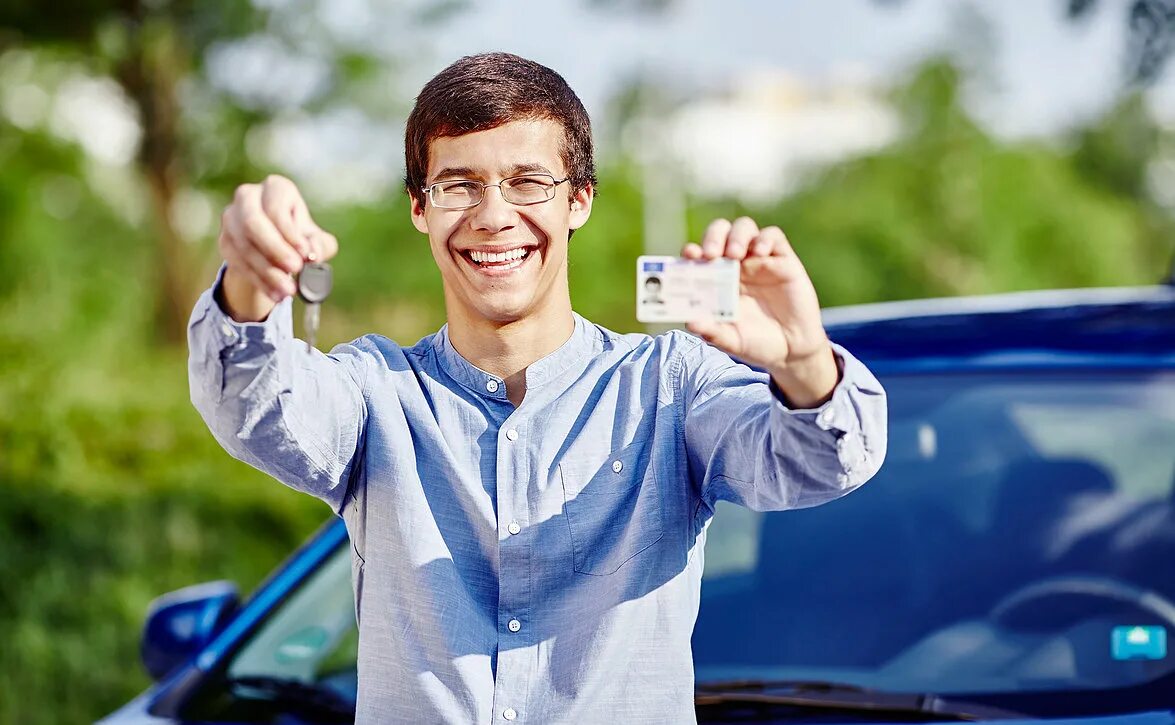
778	326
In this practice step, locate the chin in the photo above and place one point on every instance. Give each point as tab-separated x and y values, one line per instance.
503	310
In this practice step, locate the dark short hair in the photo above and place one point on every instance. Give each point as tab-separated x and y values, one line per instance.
652	278
480	92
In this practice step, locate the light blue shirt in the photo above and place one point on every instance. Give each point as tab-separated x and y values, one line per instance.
538	564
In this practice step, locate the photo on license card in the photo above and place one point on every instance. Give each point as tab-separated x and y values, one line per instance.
672	289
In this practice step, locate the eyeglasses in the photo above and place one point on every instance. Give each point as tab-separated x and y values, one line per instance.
518	190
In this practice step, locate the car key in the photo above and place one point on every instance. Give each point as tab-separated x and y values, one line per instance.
314	284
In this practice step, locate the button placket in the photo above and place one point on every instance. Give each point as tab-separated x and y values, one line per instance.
230	334
515	652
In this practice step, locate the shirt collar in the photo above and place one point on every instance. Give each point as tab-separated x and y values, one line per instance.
584	342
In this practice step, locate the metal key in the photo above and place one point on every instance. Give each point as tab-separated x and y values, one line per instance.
314	284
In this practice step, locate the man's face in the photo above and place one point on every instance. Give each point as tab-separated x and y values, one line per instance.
509	291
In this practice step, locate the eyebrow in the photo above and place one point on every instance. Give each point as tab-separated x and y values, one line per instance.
455	172
466	172
528	169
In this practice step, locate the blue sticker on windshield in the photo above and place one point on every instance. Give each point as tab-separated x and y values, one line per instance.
1138	643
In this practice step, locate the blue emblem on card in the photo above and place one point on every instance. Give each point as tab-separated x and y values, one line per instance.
653	267
1138	643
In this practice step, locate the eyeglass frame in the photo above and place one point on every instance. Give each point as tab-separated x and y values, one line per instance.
427	190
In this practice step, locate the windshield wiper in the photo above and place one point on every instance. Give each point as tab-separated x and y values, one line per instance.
303	698
841	698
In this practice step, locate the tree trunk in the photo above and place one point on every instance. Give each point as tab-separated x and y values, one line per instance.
149	75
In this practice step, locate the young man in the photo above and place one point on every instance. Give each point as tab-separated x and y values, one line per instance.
527	493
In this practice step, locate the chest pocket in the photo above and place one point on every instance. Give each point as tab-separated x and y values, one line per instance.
612	507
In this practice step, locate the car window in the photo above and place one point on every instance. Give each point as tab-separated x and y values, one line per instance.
1019	539
312	636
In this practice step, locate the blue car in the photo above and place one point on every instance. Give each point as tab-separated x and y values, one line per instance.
1015	558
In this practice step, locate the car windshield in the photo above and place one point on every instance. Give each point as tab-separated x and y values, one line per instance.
1019	538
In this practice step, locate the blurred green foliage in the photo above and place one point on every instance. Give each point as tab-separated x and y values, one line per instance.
112	491
950	210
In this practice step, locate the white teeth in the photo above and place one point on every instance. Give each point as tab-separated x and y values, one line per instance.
491	257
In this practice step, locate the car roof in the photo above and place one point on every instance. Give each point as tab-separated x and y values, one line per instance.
1123	323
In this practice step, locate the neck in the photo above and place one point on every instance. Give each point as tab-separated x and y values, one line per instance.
507	349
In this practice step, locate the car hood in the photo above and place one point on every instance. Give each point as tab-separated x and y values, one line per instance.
1163	717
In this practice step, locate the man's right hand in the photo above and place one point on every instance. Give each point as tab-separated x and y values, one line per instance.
265	235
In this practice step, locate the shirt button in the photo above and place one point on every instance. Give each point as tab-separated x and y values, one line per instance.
826	416
617	466
512	434
492	386
514	625
514	528
509	713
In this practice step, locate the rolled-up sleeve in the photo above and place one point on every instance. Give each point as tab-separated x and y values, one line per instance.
745	445
293	413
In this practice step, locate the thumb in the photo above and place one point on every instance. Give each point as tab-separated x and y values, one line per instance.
322	245
325	244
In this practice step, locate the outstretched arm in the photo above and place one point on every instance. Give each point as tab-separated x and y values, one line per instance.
294	413
812	425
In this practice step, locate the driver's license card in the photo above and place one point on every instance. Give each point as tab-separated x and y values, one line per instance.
673	289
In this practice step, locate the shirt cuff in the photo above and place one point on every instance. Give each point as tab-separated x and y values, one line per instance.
847	414
222	352
218	332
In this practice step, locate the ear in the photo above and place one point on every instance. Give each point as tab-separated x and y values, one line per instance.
581	206
418	219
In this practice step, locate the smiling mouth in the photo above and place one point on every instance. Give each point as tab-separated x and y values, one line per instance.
498	260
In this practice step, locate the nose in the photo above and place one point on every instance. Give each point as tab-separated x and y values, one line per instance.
494	214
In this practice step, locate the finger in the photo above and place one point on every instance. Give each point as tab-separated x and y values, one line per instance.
766	242
307	227
254	281
782	247
742	232
257	229
692	251
721	335
233	260
325	243
280	200
272	280
714	240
